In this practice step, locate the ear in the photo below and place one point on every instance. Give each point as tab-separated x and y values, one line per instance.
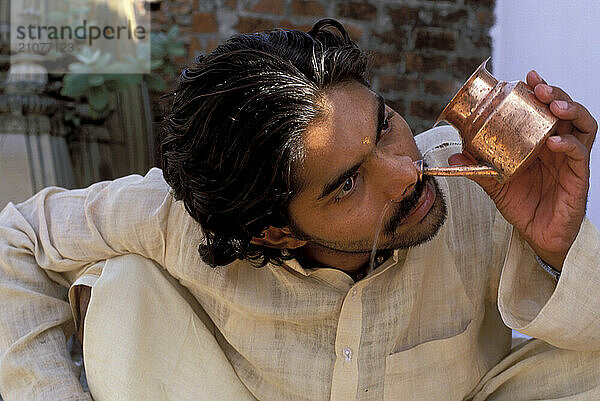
278	238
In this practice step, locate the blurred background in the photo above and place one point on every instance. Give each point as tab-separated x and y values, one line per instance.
56	129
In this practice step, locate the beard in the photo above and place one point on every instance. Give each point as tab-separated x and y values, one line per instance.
392	236
422	232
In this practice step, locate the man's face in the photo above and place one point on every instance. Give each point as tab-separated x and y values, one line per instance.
358	158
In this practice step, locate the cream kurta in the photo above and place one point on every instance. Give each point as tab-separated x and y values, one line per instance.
427	324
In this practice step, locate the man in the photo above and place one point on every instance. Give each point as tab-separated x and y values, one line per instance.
254	284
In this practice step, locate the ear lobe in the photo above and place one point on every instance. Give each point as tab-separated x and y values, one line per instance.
278	238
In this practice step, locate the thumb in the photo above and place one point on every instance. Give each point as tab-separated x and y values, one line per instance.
461	159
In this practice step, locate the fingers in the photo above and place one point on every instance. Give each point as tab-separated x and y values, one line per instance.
579	116
458	159
563	107
569	145
461	159
534	79
543	91
576	152
547	94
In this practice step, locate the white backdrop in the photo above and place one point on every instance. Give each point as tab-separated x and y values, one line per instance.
560	39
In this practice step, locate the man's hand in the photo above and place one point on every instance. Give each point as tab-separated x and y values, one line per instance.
547	202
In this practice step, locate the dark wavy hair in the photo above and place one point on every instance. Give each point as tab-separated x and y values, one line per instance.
234	135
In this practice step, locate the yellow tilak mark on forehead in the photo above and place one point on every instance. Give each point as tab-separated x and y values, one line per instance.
366	140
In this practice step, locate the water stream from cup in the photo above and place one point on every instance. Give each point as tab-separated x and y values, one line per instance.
377	233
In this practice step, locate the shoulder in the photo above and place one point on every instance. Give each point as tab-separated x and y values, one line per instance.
152	180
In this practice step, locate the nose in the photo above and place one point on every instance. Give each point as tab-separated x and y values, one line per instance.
399	176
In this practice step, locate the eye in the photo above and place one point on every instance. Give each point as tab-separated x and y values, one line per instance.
387	123
347	188
386	126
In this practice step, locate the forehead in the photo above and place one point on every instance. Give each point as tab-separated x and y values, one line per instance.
336	140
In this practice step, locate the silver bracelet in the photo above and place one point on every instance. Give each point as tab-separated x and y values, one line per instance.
551	270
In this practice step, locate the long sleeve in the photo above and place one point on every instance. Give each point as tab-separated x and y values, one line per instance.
565	314
45	243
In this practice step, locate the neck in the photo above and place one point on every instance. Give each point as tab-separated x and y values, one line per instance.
316	255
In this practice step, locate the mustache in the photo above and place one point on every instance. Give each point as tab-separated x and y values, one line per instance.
405	206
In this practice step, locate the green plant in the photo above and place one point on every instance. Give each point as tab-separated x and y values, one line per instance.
164	47
95	76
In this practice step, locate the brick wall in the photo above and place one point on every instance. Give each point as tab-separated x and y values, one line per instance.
422	50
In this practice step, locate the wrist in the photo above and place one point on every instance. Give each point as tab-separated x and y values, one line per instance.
551	270
554	259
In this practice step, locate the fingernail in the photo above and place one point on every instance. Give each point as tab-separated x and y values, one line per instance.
537	75
548	89
561	104
555	139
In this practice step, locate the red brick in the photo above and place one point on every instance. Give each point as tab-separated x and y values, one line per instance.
434	39
307	7
182	60
211	44
483	41
180	7
397	37
268	7
486	18
396	82
380	58
444	18
463	67
419	63
354	31
480	3
442	87
397	105
159	19
204	22
195	47
355	10
250	24
403	15
426	111
286	24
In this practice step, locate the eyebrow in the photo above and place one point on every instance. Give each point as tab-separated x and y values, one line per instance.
341	178
380	116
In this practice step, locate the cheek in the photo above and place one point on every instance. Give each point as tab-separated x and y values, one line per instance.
335	222
350	221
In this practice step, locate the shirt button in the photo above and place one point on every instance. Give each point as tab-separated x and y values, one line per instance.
347	353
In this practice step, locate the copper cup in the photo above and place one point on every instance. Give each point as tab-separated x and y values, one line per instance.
502	125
